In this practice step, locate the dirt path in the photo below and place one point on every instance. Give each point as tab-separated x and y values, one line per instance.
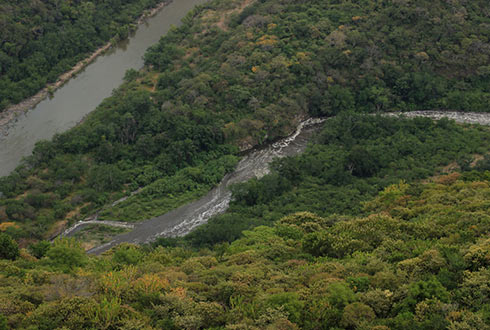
81	224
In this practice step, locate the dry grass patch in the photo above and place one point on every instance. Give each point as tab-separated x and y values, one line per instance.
219	18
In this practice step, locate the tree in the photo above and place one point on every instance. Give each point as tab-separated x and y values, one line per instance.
290	302
39	249
8	247
356	314
66	254
106	178
340	295
130	75
127	254
361	162
337	99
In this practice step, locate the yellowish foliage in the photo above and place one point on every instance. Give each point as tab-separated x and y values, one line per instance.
267	40
479	254
448	179
117	283
422	56
179	292
302	56
5	225
337	38
151	283
24	254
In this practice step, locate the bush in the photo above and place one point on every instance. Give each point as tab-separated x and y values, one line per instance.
356	314
8	247
66	254
39	249
127	254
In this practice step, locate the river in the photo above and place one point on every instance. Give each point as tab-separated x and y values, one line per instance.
83	93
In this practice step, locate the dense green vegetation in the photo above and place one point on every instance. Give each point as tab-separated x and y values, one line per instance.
372	247
277	57
81	170
381	224
237	74
418	259
352	159
167	193
42	39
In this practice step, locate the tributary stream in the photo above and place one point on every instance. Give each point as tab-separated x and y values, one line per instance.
255	164
187	217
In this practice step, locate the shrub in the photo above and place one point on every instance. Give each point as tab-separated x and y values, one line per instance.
8	247
66	254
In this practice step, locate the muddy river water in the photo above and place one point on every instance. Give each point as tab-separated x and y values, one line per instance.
83	93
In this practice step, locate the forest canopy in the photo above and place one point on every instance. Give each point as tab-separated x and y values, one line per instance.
382	223
416	259
239	74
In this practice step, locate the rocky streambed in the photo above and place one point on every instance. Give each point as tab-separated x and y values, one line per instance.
481	118
182	220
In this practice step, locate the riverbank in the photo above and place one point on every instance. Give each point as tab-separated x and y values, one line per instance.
13	111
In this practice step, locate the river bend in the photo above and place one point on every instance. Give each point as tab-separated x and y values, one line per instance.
89	88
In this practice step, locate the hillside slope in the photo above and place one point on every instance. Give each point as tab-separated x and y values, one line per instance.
240	73
418	260
383	223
